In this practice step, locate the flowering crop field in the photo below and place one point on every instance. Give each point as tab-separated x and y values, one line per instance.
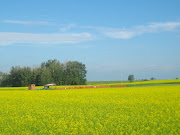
128	110
175	81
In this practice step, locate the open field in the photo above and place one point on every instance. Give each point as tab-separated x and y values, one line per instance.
104	82
131	110
173	81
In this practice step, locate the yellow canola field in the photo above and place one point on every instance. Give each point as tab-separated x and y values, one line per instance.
19	88
149	82
128	110
132	83
13	88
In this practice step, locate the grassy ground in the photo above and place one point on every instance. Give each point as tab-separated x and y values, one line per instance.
130	110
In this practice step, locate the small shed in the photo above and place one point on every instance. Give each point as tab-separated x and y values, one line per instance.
47	85
31	87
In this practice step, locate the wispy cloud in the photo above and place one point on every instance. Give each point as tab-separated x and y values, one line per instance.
127	33
67	27
9	38
28	22
116	33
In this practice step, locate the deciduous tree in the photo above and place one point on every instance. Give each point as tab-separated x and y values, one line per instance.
131	78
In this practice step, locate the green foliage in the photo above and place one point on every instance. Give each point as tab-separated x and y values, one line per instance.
52	71
46	76
75	73
152	78
36	76
4	79
20	76
1	77
131	78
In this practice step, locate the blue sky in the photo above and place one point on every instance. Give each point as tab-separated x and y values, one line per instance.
114	38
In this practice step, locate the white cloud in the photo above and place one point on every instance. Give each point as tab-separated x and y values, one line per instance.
135	31
8	38
116	33
27	22
67	27
120	34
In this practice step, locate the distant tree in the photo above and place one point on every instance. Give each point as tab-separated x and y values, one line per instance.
26	74
51	72
131	78
1	77
152	78
36	75
144	79
56	70
5	80
20	76
46	76
74	73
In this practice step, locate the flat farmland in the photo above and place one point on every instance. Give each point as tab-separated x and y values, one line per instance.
128	110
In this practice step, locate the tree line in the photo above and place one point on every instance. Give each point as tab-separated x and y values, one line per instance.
52	71
131	78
